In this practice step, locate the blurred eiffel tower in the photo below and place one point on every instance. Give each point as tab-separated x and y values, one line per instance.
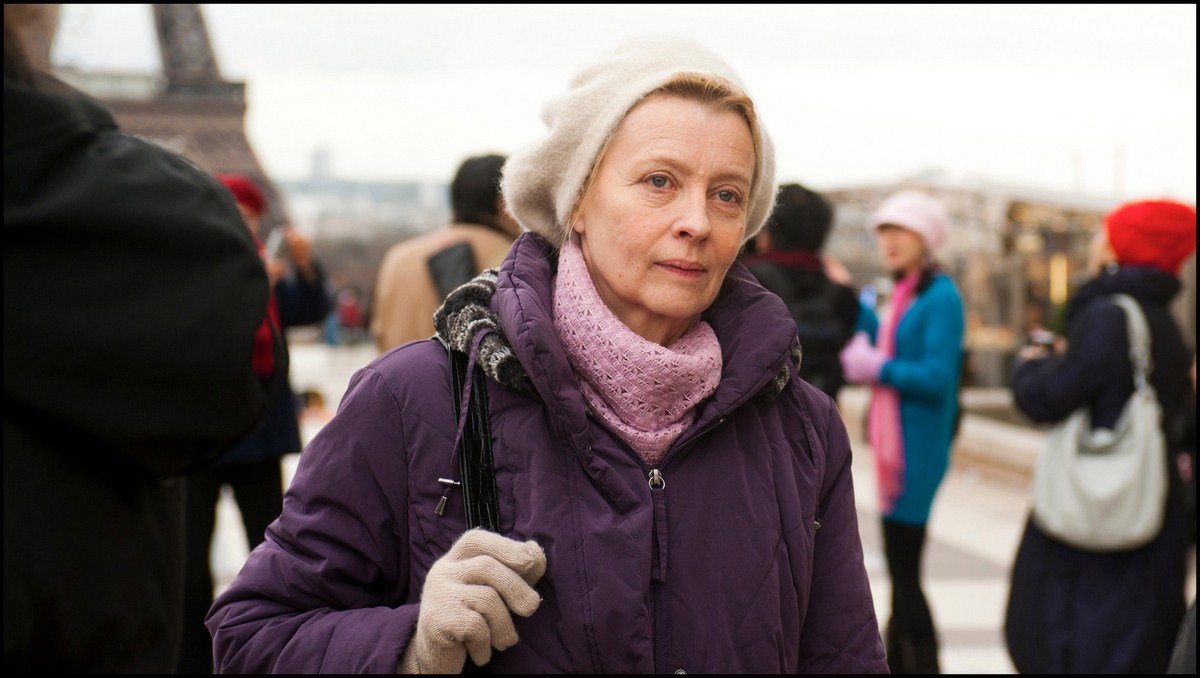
194	111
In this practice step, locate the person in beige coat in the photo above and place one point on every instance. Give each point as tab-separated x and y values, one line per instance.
416	274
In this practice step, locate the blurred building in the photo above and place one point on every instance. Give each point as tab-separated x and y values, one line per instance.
326	207
1016	254
189	107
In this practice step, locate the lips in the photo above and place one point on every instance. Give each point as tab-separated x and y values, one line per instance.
682	266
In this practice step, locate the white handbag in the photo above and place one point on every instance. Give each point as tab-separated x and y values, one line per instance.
1102	489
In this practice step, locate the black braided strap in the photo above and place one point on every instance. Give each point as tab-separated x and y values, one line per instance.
475	471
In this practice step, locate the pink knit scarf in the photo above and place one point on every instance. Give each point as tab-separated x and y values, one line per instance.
644	392
884	429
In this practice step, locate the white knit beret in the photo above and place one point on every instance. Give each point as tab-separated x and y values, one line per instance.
918	212
543	182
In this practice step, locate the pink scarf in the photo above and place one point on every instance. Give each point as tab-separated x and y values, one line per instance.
644	392
884	430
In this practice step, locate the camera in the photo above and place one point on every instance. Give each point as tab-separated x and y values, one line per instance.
1043	338
274	242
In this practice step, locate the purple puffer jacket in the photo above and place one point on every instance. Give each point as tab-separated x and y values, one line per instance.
747	561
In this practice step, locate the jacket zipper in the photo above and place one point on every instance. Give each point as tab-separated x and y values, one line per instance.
658	541
658	572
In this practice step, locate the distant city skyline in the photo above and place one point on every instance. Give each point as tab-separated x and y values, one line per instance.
1094	99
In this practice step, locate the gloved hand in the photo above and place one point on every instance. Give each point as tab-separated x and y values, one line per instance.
466	601
862	362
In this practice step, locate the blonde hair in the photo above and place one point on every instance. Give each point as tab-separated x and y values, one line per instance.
705	88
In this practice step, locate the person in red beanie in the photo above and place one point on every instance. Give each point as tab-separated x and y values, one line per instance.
1160	234
252	468
1076	611
249	197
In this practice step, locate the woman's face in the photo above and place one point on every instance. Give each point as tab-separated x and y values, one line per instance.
1100	253
903	251
251	218
664	216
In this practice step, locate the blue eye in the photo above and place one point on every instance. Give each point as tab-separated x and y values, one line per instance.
658	181
726	196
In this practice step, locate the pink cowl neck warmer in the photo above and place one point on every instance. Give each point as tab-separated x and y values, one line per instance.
644	392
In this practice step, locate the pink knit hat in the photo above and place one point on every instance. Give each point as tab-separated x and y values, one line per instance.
918	212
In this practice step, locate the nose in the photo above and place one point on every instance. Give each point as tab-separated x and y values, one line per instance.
692	221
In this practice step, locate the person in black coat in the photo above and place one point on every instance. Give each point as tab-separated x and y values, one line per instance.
132	293
787	260
1075	611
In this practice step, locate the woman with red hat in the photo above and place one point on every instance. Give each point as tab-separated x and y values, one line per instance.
252	468
1076	611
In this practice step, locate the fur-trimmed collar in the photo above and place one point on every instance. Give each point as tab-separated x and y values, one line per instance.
466	313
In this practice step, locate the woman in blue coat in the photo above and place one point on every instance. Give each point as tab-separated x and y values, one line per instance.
912	361
671	497
1077	611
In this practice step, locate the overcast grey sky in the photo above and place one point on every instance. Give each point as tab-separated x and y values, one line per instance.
1093	98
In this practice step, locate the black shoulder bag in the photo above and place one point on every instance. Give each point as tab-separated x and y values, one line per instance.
476	474
451	267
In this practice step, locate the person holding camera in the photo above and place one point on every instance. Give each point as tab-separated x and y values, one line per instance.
252	469
1077	610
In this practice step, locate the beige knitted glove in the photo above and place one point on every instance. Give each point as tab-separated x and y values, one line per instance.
466	601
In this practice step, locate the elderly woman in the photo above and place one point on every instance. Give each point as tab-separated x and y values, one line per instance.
671	496
913	364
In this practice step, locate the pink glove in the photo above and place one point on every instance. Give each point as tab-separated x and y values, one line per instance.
862	362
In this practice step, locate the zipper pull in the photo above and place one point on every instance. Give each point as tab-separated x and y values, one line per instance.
656	480
441	505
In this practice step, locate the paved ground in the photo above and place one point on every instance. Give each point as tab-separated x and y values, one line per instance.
973	531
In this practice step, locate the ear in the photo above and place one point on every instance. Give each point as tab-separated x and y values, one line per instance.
576	222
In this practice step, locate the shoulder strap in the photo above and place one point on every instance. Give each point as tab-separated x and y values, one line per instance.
475	470
1139	338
